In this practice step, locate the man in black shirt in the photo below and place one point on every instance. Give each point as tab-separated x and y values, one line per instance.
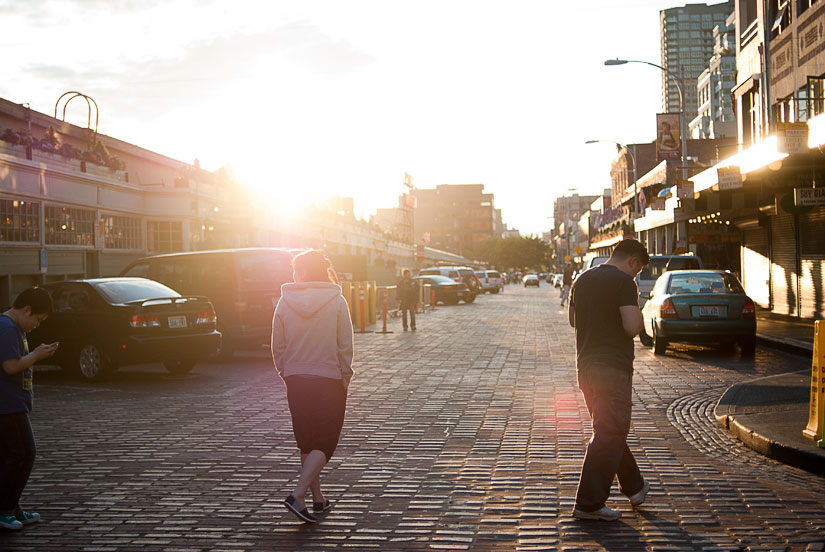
604	310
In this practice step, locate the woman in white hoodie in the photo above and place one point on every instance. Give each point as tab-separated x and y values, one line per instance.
312	351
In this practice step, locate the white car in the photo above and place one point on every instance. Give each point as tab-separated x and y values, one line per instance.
491	280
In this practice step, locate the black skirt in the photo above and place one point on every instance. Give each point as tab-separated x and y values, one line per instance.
317	406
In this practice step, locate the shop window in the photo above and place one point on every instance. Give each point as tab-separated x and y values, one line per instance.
165	236
121	232
816	95
69	226
19	221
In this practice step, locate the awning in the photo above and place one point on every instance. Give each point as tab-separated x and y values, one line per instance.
746	86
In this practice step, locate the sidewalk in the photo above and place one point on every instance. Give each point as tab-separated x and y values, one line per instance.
769	414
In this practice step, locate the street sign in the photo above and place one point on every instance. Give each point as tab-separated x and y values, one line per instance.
809	196
567	257
578	250
684	189
730	178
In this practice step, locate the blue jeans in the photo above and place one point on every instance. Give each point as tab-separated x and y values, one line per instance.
608	394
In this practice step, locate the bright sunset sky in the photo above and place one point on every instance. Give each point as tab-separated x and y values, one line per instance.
310	98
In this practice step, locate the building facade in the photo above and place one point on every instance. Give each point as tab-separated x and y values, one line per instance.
455	217
687	43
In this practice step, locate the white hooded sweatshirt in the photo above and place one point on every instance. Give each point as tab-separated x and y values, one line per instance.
312	332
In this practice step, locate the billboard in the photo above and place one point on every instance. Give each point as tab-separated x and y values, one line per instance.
668	138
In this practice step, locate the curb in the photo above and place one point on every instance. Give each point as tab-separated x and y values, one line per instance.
788	345
786	454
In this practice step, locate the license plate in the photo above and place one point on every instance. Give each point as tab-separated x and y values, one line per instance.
715	312
177	321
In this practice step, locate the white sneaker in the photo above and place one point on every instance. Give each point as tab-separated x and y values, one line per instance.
639	497
603	514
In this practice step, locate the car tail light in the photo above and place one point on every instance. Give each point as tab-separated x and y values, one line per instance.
668	309
144	321
206	317
749	310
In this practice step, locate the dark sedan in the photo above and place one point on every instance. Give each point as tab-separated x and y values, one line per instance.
447	291
105	323
700	306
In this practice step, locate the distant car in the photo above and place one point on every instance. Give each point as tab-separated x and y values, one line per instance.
700	306
105	323
447	290
491	280
557	280
531	280
462	274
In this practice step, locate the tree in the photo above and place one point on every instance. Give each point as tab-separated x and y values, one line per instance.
512	252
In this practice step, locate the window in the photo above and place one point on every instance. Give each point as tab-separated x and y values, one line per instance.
69	226
19	221
165	236
816	95
704	283
120	232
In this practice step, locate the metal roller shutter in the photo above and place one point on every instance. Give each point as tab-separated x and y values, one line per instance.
784	275
812	264
756	266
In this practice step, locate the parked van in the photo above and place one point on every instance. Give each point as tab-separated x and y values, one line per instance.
244	285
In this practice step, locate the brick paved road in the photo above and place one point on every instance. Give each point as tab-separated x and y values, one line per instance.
467	435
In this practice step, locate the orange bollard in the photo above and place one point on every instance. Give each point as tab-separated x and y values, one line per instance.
432	299
361	298
384	313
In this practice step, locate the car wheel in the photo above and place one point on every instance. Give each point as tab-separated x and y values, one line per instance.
659	344
92	363
470	298
748	346
645	339
179	366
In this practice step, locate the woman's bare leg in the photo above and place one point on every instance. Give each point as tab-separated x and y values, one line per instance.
312	466
315	486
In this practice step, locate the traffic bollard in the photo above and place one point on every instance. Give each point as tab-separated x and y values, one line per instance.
362	319
384	313
816	416
432	299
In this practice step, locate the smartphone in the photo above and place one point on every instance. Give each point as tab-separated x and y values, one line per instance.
55	344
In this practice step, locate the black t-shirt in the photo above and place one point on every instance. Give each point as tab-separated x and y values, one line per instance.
595	299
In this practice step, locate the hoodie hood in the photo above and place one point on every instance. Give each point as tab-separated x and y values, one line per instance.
308	298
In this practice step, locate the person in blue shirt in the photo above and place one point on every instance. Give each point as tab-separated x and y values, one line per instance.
17	447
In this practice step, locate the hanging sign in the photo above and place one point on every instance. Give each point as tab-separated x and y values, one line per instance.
792	137
730	178
684	189
658	204
809	196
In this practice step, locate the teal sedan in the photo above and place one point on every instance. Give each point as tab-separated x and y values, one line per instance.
700	306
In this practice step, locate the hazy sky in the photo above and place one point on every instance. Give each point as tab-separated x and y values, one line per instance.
310	98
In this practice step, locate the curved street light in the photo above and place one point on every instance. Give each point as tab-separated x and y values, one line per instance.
680	83
632	156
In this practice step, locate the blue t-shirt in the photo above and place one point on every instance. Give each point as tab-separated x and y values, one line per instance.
17	391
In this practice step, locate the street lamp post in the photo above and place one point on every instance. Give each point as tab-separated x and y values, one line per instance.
680	84
632	156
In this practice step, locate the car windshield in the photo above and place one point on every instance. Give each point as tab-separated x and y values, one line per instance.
127	291
493	274
705	282
660	265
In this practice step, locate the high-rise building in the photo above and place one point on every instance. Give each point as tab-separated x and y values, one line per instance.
687	44
715	117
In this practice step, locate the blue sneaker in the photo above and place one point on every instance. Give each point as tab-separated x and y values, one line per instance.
27	518
9	522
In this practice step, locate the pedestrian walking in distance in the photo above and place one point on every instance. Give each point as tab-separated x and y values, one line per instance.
408	293
17	446
312	351
566	282
604	310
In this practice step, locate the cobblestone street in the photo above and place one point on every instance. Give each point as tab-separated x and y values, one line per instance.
465	435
